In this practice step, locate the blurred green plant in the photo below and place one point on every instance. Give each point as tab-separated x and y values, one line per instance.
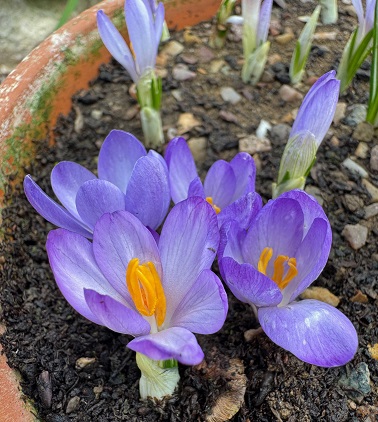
372	111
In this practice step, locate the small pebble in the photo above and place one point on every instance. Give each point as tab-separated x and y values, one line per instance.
249	335
284	39
72	404
357	382
373	350
364	132
177	94
198	148
374	158
205	54
339	113
362	150
186	122
216	65
96	114
356	235
321	36
355	168
357	114
190	38
289	94
263	129
353	202
172	48
253	144
372	190
83	362
230	95
335	142
371	210
359	297
280	133
181	72
316	193
227	116
322	294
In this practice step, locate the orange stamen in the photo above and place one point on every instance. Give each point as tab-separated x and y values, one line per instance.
279	276
146	290
209	199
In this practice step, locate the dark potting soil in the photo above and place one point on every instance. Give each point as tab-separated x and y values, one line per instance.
46	340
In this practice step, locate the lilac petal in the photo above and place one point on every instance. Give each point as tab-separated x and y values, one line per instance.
138	21
313	331
249	285
148	194
75	269
118	155
188	244
311	258
173	343
369	16
95	198
279	225
204	308
118	238
116	316
245	172
264	21
66	179
244	210
50	210
115	43
359	10
231	240
317	111
159	22
220	183
196	188
182	169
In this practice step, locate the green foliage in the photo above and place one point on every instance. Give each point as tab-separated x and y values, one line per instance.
372	111
71	5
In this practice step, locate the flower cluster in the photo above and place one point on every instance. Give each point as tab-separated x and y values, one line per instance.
119	266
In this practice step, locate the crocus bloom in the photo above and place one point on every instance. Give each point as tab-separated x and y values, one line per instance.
271	264
313	120
128	179
158	293
144	24
228	187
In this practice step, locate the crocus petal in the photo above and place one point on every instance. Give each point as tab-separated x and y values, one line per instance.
148	194
141	33
204	308
173	343
188	244
359	10
249	285
95	198
116	316
311	258
196	188
118	155
50	210
245	172
66	179
231	240
313	331
279	225
118	238
115	43
182	169
244	210
159	22
75	269
317	111
220	183
264	21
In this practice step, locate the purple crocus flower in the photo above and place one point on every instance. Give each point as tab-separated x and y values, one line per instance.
365	21
158	293
128	179
144	22
271	264
228	187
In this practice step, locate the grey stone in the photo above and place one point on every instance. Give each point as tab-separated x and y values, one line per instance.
316	193
353	202
198	148
372	190
355	168
357	382
253	144
371	210
181	72
72	404
289	94
362	150
339	113
356	235
280	133
374	158
230	95
364	132
357	114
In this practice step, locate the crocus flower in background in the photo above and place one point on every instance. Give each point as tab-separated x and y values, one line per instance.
271	264
144	23
128	179
228	187
313	120
158	293
359	44
256	20
303	47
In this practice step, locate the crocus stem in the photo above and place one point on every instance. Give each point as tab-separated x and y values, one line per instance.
159	378
152	127
329	11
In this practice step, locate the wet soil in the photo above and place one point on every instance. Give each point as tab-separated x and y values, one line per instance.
45	337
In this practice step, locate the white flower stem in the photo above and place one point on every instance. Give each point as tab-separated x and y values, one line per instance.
158	378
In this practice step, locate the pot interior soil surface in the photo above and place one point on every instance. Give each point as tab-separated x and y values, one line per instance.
75	370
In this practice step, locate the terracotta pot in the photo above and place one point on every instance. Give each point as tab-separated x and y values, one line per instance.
33	96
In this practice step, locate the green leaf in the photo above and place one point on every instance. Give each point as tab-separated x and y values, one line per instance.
372	111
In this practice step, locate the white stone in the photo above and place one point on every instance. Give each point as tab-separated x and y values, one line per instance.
356	235
355	168
263	129
230	95
253	144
